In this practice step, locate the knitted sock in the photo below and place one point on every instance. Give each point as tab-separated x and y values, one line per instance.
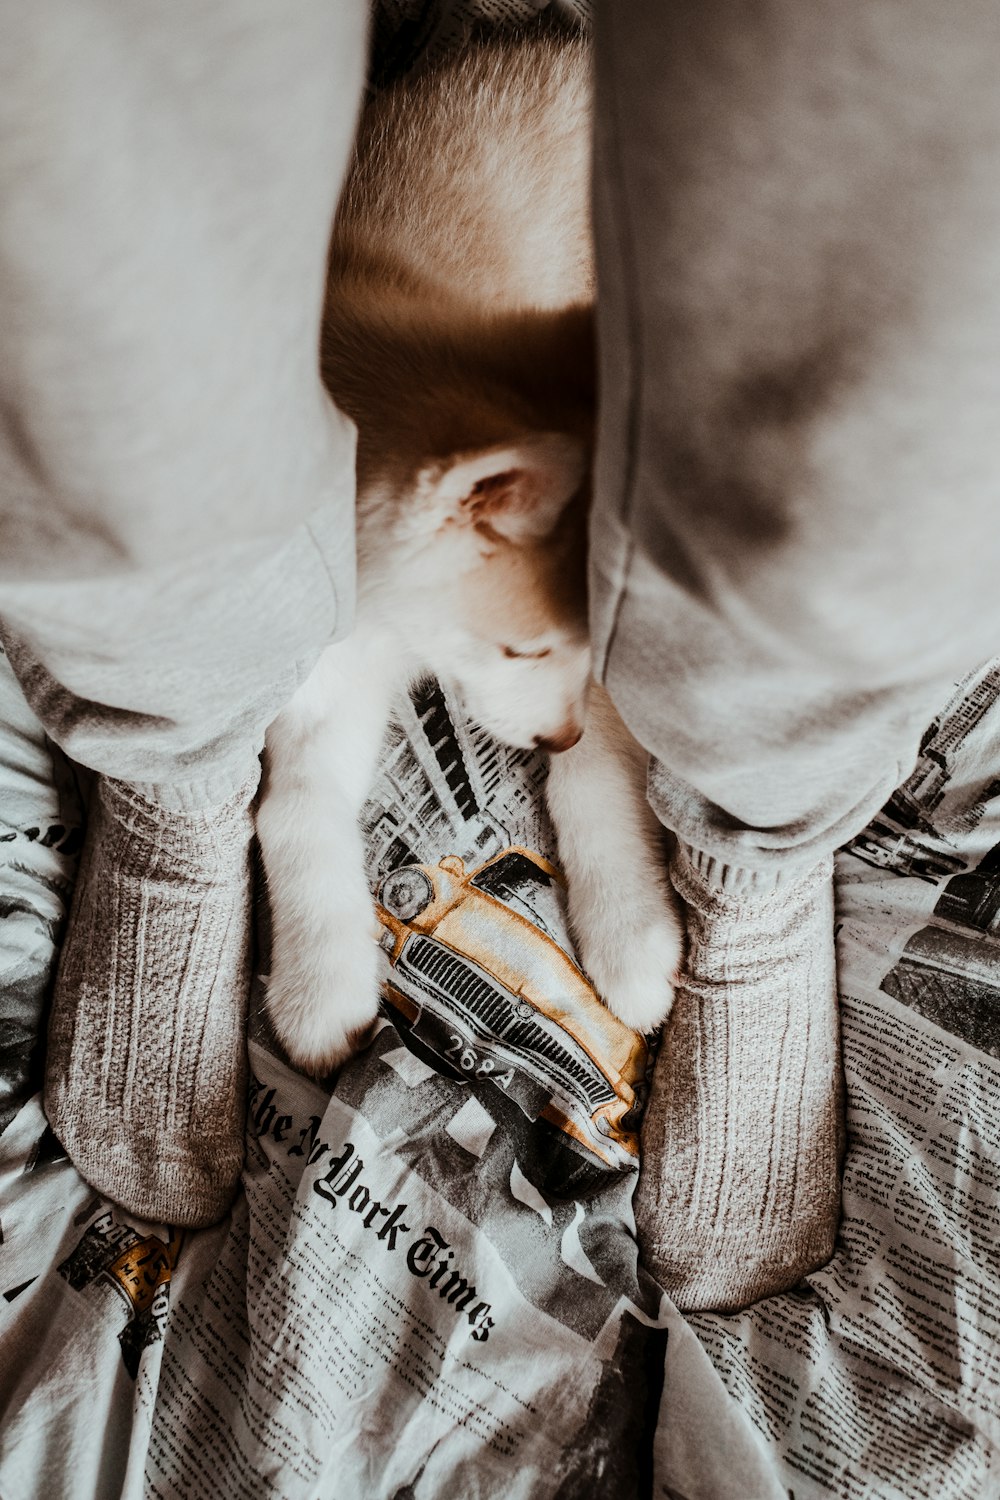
739	1191
146	1070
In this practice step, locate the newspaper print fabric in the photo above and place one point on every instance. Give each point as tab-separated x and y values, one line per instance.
881	1377
39	840
429	1286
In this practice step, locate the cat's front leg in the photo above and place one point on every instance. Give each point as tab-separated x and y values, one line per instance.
624	916
321	753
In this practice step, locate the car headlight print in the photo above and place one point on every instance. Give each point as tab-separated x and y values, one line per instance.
406	892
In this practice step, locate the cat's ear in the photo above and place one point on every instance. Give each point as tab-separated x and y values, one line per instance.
517	489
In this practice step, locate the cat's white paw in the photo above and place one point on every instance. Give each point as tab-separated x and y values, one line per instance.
323	993
633	965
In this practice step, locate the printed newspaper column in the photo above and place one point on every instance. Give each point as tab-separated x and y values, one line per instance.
384	1342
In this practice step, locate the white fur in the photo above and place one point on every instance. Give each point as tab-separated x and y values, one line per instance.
321	758
623	916
323	989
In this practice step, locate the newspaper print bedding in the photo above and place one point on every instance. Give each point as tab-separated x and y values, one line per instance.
429	1285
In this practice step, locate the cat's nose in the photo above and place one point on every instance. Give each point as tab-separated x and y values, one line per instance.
565	739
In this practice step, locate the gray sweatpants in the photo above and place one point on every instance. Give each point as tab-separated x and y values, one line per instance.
176	490
794	553
796	541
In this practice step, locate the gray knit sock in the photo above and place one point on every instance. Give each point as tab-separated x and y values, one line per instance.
146	1069
739	1191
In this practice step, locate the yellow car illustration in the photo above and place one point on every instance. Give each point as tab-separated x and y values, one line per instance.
475	960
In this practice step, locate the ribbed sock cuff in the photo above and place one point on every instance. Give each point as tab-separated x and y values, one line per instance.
204	794
718	875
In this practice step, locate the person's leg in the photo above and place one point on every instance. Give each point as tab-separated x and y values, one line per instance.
176	518
794	549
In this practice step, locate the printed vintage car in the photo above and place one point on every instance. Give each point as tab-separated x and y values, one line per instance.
477	969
